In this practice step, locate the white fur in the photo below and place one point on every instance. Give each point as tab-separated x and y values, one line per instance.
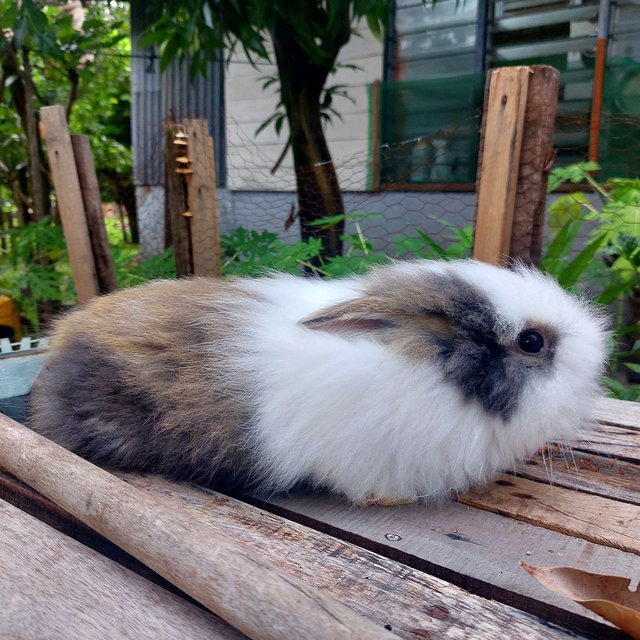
353	416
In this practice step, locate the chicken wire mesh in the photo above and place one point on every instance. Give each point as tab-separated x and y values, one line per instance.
409	182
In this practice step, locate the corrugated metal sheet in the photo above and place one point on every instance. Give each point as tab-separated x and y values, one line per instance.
159	98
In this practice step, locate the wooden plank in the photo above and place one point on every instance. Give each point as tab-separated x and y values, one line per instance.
416	605
327	563
31	502
375	120
251	595
474	549
536	156
497	181
69	198
586	472
105	268
593	518
618	412
606	439
176	201
205	233
56	588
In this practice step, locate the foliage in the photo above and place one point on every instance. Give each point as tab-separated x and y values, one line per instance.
609	261
55	53
85	68
304	39
29	282
248	252
197	29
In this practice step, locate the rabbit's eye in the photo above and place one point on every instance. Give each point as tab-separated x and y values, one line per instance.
531	341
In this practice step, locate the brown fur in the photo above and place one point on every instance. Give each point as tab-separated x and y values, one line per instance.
151	339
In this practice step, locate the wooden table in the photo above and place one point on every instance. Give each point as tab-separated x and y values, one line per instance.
449	571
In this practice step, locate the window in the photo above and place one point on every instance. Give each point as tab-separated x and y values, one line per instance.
437	60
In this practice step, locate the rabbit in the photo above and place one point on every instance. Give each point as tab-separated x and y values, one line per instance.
416	380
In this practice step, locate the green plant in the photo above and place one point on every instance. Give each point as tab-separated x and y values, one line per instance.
34	268
304	40
248	252
422	245
609	260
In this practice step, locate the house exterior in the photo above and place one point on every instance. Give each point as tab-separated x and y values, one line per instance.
407	143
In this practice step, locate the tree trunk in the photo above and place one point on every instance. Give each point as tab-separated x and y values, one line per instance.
39	183
302	81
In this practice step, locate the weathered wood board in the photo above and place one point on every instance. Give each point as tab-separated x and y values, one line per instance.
56	588
412	603
251	594
581	510
499	161
70	204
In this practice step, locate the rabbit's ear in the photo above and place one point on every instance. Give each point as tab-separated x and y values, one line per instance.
384	317
356	316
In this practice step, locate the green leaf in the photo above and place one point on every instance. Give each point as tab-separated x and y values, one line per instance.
575	173
206	13
574	270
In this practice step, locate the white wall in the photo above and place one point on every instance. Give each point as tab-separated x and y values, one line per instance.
250	158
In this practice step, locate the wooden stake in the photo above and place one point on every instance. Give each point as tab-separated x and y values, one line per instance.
176	204
375	118
536	159
105	268
498	164
203	204
70	204
222	575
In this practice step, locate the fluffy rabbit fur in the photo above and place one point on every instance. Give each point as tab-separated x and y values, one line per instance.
415	380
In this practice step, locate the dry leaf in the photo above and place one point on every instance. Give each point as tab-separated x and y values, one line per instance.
608	596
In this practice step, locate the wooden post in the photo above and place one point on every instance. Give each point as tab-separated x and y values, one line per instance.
70	204
105	268
536	158
205	233
224	576
375	120
498	163
175	147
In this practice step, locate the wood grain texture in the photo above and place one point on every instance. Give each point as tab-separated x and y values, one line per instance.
536	157
70	203
205	232
587	472
618	412
590	517
175	189
56	588
501	146
610	440
412	603
249	593
105	268
475	549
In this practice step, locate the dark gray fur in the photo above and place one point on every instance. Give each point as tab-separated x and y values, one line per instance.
478	354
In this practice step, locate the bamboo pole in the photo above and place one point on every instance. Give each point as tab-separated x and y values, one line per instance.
225	577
